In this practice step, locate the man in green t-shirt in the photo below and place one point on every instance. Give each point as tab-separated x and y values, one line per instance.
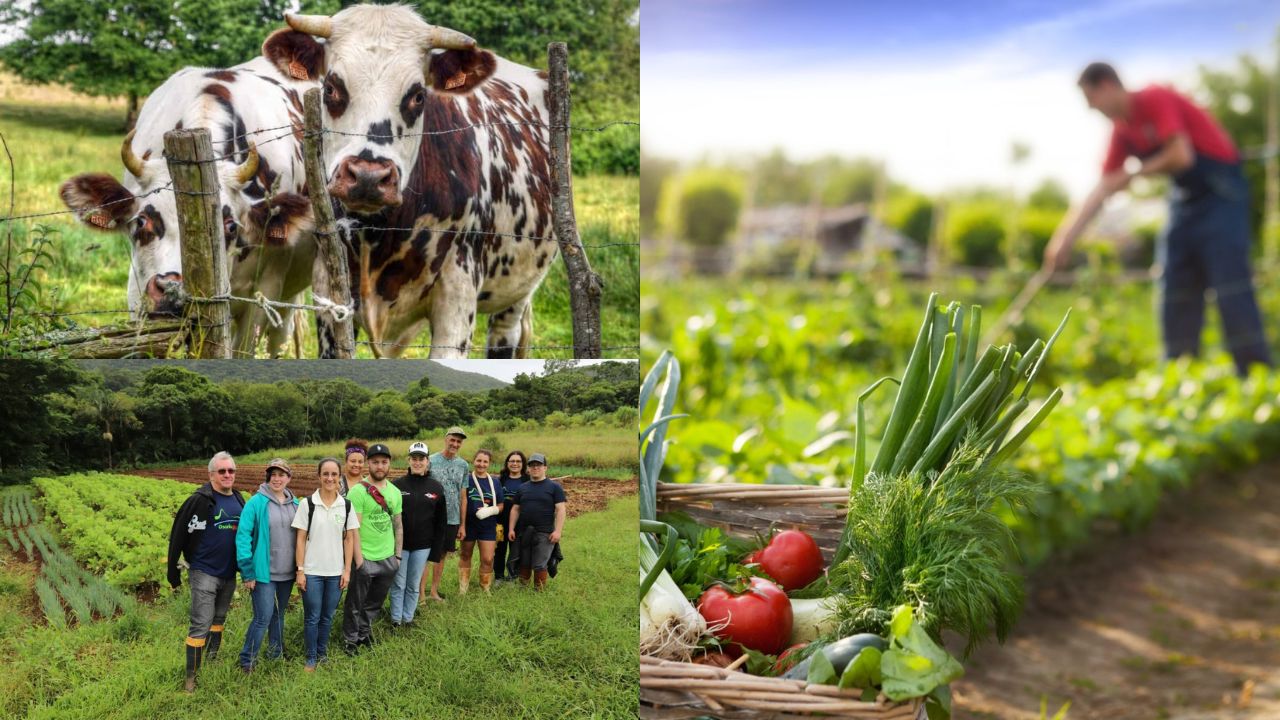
377	504
451	470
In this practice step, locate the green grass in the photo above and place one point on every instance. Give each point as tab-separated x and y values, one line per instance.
569	652
54	135
583	450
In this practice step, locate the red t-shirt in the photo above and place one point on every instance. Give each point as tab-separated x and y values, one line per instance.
1156	114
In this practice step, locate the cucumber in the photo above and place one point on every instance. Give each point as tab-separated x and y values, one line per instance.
840	653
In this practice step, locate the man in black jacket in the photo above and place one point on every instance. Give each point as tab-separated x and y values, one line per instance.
204	533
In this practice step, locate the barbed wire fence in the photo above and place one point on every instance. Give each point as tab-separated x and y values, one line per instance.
196	333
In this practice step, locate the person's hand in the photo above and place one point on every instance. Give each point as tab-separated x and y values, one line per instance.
511	535
346	578
250	585
462	533
554	536
302	581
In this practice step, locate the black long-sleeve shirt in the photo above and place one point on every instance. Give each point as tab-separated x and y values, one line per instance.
424	514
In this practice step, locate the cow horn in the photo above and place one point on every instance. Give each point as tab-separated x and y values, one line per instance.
443	37
132	162
248	168
317	25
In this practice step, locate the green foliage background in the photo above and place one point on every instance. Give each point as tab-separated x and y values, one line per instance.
76	419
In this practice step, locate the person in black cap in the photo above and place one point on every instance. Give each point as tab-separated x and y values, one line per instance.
537	521
377	504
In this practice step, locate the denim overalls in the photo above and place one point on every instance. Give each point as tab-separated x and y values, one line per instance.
1206	245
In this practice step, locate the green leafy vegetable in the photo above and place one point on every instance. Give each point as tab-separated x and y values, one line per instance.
914	665
864	673
821	671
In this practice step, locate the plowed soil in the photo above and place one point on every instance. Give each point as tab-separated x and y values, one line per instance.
1181	621
584	494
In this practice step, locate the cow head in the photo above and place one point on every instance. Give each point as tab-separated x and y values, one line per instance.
381	64
145	209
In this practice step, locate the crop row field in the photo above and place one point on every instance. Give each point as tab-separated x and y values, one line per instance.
771	374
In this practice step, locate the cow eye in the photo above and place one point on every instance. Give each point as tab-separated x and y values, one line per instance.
330	91
420	97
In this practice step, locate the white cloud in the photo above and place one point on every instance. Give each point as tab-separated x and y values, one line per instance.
938	122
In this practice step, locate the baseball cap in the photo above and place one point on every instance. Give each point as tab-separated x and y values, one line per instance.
455	430
419	448
379	449
537	458
281	464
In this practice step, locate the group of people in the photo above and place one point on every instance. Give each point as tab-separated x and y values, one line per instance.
362	533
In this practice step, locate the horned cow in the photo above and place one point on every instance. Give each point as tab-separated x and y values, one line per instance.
267	219
446	146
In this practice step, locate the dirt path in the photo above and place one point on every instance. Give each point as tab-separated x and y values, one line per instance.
1181	621
584	494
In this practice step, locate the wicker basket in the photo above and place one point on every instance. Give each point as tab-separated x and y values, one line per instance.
687	690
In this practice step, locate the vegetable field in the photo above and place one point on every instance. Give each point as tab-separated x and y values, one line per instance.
994	454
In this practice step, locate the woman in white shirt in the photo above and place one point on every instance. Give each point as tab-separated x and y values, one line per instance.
326	535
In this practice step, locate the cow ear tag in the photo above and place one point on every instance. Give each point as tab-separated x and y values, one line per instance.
101	220
456	81
297	70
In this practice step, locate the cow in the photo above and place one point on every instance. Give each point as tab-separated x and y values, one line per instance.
267	219
437	156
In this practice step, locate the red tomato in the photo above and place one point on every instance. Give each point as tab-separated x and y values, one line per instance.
792	559
785	660
759	618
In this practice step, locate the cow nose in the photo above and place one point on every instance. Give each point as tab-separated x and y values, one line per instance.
366	184
162	291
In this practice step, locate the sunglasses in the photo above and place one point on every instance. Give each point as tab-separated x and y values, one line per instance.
226	471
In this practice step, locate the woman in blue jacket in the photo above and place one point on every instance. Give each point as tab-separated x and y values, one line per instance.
265	554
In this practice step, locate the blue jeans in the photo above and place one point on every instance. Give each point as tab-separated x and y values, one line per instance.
270	600
319	602
404	590
1206	245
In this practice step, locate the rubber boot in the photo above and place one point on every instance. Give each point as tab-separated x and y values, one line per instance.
464	579
194	653
215	642
525	574
540	579
486	581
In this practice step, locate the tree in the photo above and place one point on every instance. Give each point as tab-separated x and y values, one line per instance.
128	47
386	415
26	390
332	407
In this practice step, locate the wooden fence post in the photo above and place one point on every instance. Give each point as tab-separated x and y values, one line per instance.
584	285
204	255
330	277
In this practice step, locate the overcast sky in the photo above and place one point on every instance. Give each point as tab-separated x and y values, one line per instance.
938	90
507	370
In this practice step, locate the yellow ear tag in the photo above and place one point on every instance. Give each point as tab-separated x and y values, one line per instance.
298	71
100	220
456	81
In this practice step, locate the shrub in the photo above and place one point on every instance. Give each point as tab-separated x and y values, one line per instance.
702	207
975	234
912	215
1036	226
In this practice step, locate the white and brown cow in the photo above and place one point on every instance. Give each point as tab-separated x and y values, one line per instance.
266	215
430	133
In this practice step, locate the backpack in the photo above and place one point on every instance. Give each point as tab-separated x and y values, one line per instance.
311	513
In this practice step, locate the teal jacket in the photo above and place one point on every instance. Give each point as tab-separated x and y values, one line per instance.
253	539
